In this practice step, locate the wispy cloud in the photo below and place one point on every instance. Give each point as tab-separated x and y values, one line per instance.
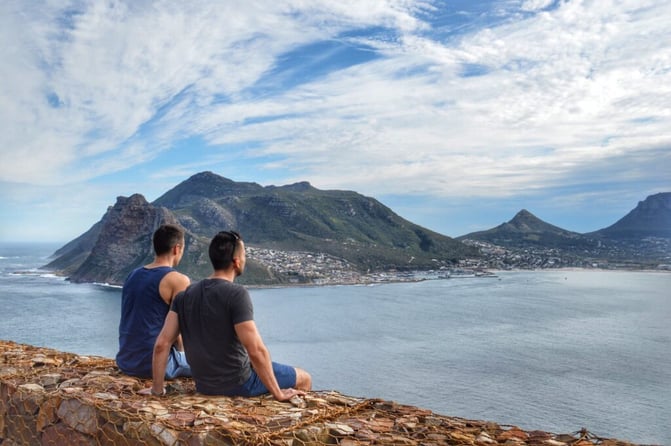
383	97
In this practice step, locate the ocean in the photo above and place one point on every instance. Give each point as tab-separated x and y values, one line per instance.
549	350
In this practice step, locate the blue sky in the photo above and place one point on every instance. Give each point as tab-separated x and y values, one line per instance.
456	114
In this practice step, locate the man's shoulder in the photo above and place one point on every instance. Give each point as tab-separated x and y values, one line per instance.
174	273
221	286
234	286
133	275
137	270
174	276
173	283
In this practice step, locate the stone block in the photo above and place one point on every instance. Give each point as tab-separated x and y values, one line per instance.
47	413
26	399
63	435
22	429
110	434
78	416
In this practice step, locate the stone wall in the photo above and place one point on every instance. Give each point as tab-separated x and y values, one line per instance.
53	398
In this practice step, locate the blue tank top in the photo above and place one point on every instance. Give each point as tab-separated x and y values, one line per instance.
142	315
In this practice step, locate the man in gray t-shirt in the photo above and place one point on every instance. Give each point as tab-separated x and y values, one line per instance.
204	311
223	346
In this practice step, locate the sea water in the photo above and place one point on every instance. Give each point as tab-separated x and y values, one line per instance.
549	350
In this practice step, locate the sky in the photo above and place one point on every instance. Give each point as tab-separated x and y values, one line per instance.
456	114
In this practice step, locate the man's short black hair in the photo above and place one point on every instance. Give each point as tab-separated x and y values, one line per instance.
222	249
166	237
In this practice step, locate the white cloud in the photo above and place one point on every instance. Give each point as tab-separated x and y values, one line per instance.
84	79
547	94
559	91
535	5
584	82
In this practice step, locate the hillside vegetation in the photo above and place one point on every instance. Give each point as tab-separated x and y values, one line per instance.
347	227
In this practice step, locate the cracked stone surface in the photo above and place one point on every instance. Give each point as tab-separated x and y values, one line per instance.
49	397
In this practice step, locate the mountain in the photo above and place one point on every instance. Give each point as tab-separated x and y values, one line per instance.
121	240
527	230
331	227
641	239
650	218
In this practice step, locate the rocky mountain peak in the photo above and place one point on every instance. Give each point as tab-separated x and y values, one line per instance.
301	186
525	221
134	200
650	218
204	185
123	241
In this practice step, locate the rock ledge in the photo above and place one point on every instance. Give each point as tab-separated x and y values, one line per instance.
54	398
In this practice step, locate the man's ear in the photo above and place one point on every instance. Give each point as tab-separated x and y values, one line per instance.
237	265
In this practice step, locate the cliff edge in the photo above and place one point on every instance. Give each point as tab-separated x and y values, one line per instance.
48	397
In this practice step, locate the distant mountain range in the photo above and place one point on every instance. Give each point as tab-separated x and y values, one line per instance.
300	234
642	237
347	227
650	218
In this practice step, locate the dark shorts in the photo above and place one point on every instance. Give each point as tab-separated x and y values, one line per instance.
285	375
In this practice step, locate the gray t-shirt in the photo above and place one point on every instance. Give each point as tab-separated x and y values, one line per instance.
208	311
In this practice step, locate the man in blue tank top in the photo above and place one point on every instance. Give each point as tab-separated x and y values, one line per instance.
145	301
216	320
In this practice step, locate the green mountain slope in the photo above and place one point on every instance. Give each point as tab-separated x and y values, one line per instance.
350	229
301	217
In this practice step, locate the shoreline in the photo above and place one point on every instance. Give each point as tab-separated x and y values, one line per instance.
380	278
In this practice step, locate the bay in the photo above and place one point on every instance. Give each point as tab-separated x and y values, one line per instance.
550	350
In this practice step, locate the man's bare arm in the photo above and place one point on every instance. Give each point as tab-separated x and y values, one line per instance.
260	358
172	284
166	338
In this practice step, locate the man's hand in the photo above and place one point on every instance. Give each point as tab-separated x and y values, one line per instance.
151	391
287	394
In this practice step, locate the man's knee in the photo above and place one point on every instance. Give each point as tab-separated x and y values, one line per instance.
303	380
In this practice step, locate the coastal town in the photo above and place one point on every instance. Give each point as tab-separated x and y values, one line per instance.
648	253
299	267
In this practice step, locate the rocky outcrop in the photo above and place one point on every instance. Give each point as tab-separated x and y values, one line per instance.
650	218
49	397
123	241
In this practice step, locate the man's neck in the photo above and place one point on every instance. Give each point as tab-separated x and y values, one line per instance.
228	274
160	261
